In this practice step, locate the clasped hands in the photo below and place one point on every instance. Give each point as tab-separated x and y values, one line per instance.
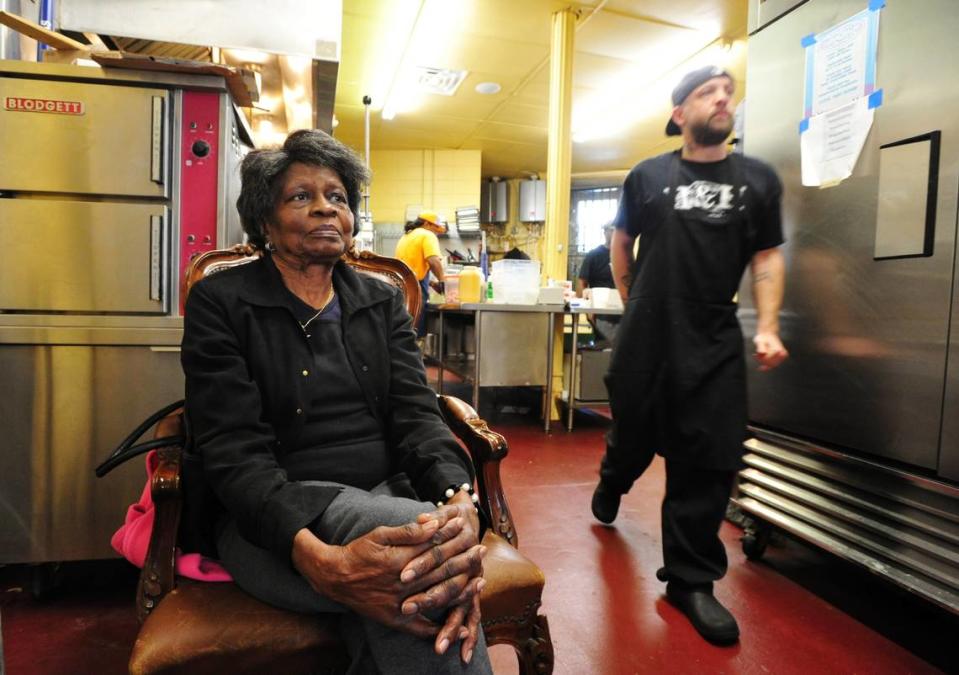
398	575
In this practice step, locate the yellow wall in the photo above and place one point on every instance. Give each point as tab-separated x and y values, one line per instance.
440	180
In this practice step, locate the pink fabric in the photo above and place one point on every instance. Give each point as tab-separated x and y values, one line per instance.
133	538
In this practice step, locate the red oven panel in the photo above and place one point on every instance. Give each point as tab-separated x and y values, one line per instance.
199	159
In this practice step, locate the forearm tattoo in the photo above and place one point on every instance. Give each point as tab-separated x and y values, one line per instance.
760	276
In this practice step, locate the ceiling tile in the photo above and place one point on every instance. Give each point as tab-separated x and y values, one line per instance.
510	132
520	21
450	129
629	39
726	16
534	93
508	57
521	113
501	158
507	41
597	71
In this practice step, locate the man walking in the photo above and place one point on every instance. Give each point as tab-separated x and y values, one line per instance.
677	381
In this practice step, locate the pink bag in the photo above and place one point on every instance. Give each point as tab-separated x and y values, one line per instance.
133	538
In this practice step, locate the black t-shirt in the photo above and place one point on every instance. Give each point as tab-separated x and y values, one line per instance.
708	190
595	270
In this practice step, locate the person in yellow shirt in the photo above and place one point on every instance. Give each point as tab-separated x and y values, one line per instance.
420	250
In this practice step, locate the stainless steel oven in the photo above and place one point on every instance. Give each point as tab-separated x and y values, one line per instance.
109	183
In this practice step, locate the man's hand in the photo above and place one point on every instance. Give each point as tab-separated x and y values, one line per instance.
770	351
769	273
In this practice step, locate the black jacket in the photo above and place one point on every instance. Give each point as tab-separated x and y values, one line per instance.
248	364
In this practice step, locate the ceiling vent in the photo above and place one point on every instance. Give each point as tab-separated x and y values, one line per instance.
439	80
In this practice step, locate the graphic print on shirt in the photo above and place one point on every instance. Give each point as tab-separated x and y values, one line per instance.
712	200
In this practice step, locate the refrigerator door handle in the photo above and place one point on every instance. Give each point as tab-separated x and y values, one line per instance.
156	233
156	144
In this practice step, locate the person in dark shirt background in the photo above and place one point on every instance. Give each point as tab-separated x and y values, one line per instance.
595	272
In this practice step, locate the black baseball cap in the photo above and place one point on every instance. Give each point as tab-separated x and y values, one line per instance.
685	87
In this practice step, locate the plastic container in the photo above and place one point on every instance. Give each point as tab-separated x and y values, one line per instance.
471	285
516	281
451	282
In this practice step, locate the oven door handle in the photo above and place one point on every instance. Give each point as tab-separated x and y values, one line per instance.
156	252
156	139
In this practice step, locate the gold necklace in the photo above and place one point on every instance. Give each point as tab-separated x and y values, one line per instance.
329	299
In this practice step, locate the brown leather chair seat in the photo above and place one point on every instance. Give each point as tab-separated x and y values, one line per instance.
217	628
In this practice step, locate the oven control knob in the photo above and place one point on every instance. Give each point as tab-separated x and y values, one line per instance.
201	148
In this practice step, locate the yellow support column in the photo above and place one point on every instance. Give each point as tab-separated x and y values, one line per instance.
558	163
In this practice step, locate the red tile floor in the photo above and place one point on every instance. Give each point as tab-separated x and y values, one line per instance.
800	611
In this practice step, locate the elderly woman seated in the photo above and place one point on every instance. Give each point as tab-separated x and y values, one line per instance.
341	488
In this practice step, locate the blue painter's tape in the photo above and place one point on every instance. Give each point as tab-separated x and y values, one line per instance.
875	99
809	40
876	5
804	125
873	41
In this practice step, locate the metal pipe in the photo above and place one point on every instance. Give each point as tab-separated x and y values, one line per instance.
365	238
9	38
366	145
46	20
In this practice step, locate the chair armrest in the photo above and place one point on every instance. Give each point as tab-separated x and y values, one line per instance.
157	578
487	449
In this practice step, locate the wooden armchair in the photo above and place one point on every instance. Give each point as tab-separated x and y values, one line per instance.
193	627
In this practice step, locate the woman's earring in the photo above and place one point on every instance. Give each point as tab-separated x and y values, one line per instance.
269	246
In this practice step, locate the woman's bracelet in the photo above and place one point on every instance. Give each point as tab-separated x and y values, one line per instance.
465	487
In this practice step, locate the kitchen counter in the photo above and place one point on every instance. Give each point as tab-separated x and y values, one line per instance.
528	330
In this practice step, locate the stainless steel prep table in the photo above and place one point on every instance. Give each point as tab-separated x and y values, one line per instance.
570	397
525	362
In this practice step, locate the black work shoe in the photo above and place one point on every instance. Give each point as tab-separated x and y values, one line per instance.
709	618
605	503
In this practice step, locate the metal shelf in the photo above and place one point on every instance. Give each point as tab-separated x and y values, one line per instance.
461	235
462	368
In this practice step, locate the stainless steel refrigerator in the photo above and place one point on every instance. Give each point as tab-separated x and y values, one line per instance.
856	437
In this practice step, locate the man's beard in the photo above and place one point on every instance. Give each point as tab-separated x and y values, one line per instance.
706	135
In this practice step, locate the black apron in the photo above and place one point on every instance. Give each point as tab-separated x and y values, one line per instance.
677	381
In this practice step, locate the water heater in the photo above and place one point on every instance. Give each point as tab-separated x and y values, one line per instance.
532	201
494	197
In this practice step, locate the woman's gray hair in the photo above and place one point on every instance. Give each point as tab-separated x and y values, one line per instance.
262	173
